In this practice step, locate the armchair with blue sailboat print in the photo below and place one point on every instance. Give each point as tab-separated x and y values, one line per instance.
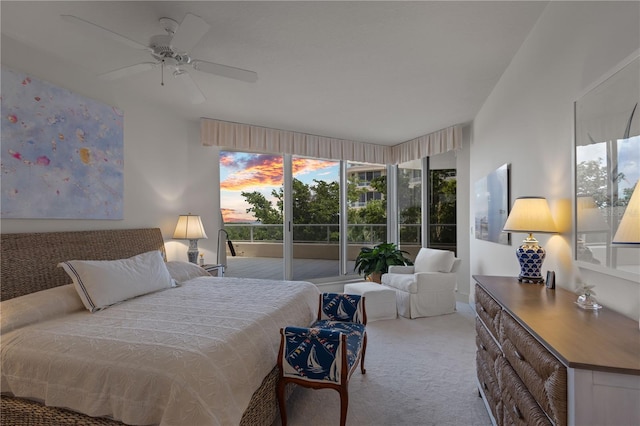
326	354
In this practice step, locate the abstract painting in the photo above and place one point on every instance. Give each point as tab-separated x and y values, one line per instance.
62	153
492	206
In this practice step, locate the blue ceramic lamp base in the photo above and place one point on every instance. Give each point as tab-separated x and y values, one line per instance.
192	253
530	255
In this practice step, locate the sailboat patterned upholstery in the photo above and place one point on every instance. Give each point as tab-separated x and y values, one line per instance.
326	354
341	307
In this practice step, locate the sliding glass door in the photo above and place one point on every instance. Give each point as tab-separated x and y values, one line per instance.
291	217
367	208
441	202
409	194
251	204
315	223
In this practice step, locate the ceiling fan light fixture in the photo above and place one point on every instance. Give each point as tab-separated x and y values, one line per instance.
169	25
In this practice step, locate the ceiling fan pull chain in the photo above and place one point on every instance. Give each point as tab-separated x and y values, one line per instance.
162	73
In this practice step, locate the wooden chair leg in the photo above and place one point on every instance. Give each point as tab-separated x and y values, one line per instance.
344	405
364	351
282	403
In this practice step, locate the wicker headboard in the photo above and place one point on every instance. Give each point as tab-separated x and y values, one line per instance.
29	261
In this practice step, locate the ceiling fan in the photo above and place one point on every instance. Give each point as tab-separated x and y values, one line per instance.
170	49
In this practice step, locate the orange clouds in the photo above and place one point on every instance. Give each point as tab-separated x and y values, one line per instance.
261	171
234	216
305	165
226	159
264	171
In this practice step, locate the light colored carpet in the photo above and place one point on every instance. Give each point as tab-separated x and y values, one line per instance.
419	372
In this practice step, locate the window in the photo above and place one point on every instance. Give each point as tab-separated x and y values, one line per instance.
316	218
410	205
442	209
283	213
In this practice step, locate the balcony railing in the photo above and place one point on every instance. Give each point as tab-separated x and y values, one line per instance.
306	233
330	233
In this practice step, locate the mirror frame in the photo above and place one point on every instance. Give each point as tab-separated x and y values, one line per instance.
606	121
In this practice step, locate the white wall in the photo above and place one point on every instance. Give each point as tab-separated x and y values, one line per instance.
167	172
463	220
527	121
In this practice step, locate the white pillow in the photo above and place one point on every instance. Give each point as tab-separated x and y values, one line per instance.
101	283
40	306
184	271
434	260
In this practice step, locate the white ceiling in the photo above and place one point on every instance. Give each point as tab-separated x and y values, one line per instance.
379	72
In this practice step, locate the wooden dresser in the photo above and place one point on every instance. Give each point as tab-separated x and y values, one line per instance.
542	360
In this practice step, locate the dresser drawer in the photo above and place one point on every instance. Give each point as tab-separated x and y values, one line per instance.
490	388
543	374
488	349
488	310
518	405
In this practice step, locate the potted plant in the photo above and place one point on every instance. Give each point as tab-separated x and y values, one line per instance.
373	262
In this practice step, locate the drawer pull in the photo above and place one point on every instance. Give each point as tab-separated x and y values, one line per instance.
517	412
518	355
482	308
484	348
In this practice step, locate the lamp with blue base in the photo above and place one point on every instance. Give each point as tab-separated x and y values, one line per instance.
529	215
190	228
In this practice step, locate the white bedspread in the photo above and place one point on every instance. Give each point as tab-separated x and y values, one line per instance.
191	355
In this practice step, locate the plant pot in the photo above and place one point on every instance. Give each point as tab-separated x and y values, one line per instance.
376	277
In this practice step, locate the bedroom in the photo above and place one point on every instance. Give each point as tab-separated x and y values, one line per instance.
526	120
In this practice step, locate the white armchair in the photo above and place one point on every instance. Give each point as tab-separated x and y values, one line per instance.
428	288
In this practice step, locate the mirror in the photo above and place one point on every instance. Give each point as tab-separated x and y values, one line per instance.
607	156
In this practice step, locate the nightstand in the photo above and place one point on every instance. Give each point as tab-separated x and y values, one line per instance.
215	270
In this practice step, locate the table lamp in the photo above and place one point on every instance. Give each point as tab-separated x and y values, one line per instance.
190	228
628	232
529	215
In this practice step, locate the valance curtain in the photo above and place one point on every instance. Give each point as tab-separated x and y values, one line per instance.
246	137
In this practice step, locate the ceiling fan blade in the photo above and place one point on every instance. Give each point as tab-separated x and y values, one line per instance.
97	29
126	71
189	33
226	71
193	91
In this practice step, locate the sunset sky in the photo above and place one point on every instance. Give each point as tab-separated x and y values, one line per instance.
262	172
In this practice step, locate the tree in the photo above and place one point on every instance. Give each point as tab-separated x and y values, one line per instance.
592	179
325	203
628	192
372	216
261	208
410	206
312	204
264	211
442	207
319	203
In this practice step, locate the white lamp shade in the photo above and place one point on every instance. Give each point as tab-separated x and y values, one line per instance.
530	214
629	228
189	227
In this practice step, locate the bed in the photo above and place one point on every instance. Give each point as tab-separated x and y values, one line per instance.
210	344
